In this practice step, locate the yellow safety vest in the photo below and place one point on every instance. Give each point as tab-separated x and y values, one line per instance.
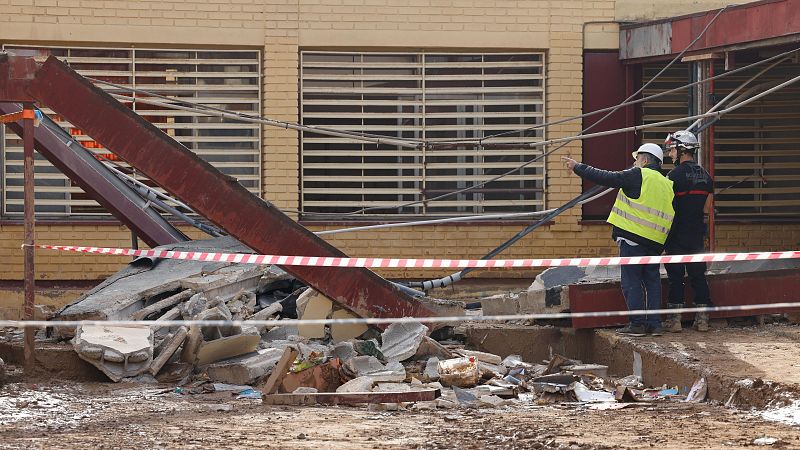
649	216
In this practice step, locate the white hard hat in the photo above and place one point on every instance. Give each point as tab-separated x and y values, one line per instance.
653	149
682	138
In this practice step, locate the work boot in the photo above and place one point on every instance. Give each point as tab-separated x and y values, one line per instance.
701	321
655	330
673	323
633	330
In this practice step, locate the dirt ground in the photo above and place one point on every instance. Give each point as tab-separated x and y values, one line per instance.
104	415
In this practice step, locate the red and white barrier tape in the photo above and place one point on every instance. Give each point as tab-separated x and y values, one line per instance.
323	261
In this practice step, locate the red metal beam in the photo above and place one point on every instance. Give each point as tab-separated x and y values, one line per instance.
351	398
97	181
754	24
774	286
220	198
29	205
15	74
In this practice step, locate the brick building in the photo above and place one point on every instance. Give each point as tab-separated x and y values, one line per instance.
418	69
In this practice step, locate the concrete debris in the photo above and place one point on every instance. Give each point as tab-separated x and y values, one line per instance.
430	348
360	384
344	351
305	390
225	347
369	348
311	305
119	352
245	369
431	372
342	332
362	366
167	348
481	356
280	333
400	341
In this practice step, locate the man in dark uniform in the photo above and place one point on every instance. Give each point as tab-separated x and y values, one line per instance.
694	189
641	219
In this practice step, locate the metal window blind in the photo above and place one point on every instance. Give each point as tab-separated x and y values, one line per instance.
227	79
756	148
428	96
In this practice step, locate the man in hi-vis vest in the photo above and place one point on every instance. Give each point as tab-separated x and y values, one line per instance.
641	219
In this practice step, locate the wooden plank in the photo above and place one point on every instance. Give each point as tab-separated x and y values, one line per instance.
275	378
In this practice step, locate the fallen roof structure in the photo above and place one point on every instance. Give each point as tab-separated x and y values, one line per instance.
215	196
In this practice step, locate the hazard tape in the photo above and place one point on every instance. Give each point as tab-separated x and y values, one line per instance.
382	320
323	261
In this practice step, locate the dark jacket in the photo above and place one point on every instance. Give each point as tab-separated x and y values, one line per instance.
692	185
630	181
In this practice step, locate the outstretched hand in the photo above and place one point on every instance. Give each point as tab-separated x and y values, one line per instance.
569	162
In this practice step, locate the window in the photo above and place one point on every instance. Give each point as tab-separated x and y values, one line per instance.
424	96
756	151
226	79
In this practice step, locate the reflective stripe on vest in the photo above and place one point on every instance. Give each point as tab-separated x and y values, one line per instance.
650	216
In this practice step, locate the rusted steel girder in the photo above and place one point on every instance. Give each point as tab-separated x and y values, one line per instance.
220	198
96	179
351	398
15	74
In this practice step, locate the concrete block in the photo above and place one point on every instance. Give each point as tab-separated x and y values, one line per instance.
167	348
226	347
400	341
313	305
360	384
498	305
245	369
119	352
343	332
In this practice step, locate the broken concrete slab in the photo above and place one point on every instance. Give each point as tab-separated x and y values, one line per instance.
168	348
119	352
126	292
431	372
342	332
371	367
311	305
344	351
245	369
280	333
429	347
400	341
360	384
226	347
161	305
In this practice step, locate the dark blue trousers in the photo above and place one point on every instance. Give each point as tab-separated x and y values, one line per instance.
641	285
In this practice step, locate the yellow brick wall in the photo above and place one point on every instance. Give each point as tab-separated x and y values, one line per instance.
281	29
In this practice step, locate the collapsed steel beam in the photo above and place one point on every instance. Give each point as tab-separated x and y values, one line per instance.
220	198
116	196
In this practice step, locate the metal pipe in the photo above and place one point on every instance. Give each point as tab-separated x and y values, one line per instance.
28	117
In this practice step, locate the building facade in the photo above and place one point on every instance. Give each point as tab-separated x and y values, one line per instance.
419	69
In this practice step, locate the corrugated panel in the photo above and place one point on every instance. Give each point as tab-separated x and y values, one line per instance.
426	96
227	79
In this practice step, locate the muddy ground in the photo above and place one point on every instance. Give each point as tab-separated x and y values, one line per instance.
48	412
104	415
